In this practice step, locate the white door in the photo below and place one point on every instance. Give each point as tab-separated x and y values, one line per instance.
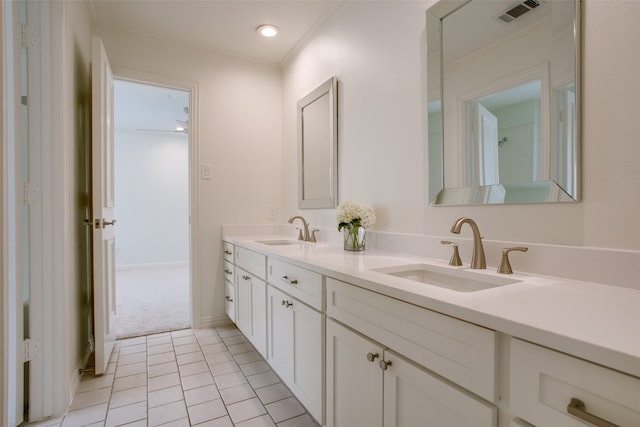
104	286
482	149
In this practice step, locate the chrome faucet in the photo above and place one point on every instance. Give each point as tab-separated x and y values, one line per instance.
305	228
477	258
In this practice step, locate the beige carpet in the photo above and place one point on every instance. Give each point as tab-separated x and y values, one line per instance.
152	300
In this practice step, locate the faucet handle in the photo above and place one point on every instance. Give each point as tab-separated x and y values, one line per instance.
505	265
299	233
313	235
455	256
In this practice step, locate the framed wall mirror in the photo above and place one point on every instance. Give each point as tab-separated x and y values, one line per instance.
318	147
504	101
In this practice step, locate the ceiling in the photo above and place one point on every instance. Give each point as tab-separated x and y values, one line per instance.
222	26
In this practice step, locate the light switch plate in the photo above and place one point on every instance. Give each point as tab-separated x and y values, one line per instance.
205	171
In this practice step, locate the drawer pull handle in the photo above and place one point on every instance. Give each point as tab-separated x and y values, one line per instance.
227	271
372	356
290	281
228	252
228	298
577	408
245	277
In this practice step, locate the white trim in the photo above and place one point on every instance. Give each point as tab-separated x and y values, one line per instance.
214	321
151	265
4	245
194	226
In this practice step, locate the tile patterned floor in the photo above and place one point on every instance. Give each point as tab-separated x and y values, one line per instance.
201	377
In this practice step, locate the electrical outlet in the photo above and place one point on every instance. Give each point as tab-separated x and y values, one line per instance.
272	212
205	172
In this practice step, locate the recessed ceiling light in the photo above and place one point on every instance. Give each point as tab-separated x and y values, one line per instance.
267	30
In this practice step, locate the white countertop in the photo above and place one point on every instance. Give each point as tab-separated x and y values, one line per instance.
596	322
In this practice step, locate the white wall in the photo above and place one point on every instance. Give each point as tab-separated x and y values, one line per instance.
376	49
152	198
238	131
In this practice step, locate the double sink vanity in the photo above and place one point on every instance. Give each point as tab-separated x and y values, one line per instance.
383	339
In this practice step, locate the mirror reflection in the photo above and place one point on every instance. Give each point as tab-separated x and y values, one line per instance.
503	114
317	147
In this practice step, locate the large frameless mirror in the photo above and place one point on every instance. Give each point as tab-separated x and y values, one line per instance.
318	147
503	110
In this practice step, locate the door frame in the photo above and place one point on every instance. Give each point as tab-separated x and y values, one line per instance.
194	236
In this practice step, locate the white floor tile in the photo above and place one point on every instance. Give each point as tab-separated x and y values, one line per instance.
201	395
126	414
90	398
163	381
176	386
237	393
166	413
132	381
127	397
207	411
164	396
285	409
245	410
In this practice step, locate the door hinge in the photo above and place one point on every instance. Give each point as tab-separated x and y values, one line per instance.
31	349
31	193
28	36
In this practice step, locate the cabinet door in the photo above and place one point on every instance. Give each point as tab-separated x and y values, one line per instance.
251	314
243	307
413	397
354	385
259	315
308	357
280	333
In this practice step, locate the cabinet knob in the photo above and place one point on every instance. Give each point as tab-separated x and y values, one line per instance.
384	364
246	277
227	252
228	298
286	303
227	271
372	356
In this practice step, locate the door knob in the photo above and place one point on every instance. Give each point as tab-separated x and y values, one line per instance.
105	222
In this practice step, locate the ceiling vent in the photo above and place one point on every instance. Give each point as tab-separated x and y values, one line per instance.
517	10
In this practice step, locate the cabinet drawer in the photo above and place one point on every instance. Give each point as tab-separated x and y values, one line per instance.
229	272
462	352
543	383
254	262
230	300
303	284
227	251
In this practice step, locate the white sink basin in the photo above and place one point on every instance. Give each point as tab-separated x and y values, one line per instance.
455	279
280	242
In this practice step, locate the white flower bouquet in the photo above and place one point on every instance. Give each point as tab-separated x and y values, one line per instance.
355	218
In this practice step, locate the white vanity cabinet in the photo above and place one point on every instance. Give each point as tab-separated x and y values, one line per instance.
295	330
394	359
544	383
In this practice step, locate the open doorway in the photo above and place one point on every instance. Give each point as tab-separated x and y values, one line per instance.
151	133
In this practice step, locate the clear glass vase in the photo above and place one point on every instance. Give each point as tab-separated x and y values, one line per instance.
354	238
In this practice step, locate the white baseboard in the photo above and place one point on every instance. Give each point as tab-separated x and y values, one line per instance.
214	321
